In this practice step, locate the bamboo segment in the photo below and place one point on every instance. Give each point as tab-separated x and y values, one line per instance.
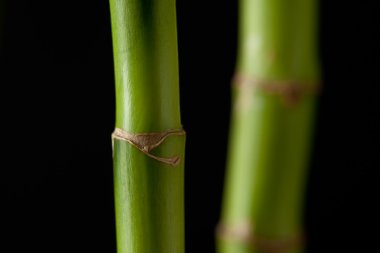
149	186
275	90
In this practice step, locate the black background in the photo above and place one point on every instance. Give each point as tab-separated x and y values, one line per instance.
57	114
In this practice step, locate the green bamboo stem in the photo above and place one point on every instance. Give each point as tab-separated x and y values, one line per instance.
149	195
270	139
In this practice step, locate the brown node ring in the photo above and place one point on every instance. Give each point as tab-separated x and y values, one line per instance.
244	233
145	142
290	91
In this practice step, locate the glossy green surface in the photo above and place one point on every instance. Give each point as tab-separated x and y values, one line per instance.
149	195
269	140
277	39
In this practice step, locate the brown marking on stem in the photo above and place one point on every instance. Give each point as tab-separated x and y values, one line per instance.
145	142
244	233
290	91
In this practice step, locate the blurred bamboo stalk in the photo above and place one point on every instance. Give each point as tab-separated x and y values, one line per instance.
275	88
148	140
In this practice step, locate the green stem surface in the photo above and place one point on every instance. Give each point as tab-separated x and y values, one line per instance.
149	195
270	140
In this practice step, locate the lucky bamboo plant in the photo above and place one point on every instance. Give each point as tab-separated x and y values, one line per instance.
148	142
275	87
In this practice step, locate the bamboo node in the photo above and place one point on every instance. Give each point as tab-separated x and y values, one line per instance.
243	233
145	142
290	91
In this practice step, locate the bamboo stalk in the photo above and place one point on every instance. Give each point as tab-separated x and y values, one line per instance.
149	193
274	91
